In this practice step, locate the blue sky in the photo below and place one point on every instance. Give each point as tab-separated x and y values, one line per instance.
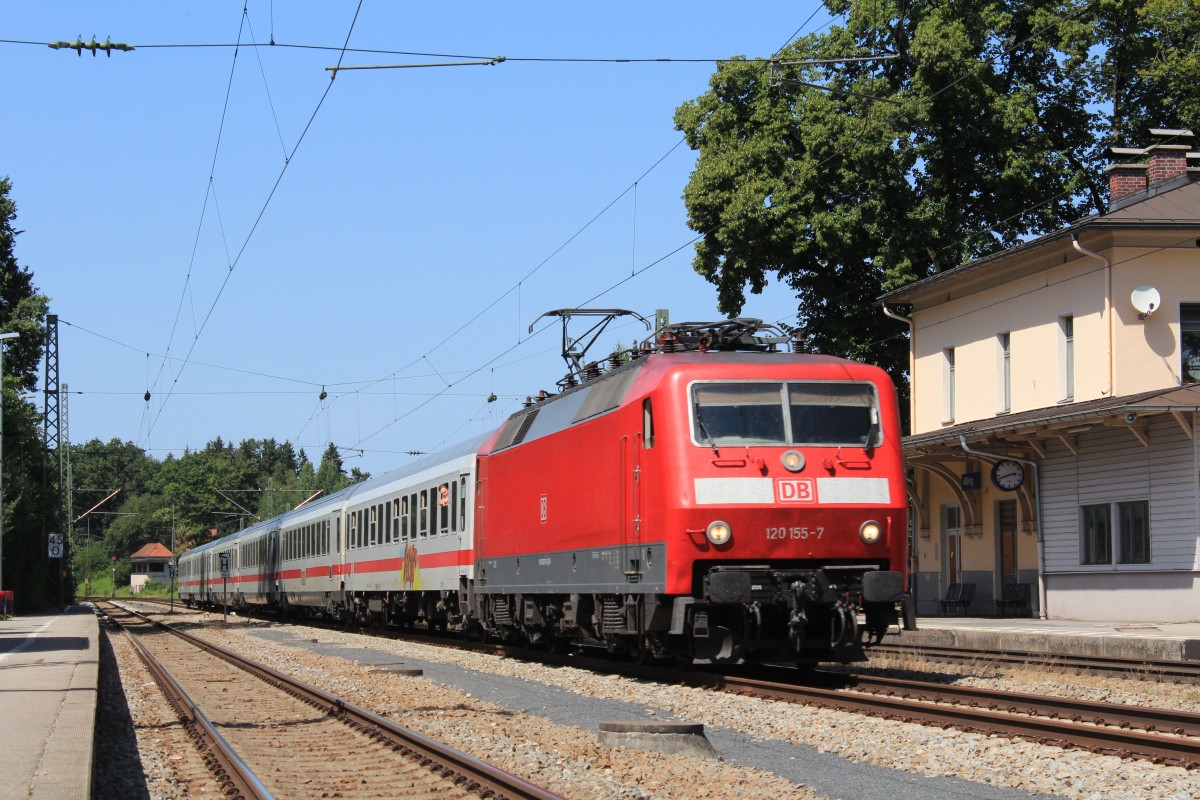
422	224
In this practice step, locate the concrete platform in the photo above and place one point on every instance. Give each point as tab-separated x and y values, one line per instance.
49	666
1166	641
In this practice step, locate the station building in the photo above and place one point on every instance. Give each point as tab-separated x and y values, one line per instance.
1055	391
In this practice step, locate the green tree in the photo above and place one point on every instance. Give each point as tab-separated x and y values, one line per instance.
29	505
967	128
98	469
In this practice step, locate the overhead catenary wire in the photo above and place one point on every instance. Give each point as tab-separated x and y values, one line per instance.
394	374
257	219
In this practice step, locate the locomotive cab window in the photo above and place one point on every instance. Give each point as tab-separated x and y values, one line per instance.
793	413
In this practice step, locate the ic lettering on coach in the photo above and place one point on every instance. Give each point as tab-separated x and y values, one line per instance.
795	490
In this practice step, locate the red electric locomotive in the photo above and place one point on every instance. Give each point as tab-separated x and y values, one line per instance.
711	498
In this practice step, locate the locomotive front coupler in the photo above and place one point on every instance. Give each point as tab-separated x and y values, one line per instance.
812	587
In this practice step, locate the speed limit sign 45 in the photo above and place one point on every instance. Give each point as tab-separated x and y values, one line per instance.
56	545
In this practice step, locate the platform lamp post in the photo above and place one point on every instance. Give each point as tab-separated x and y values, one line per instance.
3	338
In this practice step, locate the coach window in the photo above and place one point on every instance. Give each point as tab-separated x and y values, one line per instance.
462	503
405	523
424	512
337	532
352	531
396	519
373	536
453	506
443	501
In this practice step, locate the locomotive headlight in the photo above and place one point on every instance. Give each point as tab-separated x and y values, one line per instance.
793	461
718	532
870	531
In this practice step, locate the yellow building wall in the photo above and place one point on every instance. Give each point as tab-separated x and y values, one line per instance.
1127	357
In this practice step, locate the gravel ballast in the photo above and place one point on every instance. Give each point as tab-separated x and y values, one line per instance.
541	722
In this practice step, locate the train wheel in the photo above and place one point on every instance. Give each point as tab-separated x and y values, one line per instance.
473	631
642	652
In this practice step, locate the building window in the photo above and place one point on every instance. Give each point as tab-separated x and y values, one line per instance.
1003	372
1066	356
1130	538
1134	520
1096	522
948	385
1189	342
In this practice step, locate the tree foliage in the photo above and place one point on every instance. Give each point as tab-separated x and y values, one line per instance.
967	128
124	499
184	499
30	507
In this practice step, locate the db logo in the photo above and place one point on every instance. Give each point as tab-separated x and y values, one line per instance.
543	511
795	490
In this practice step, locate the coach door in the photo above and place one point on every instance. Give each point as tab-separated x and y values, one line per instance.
272	567
630	511
480	522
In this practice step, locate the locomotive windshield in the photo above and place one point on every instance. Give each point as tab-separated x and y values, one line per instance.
785	413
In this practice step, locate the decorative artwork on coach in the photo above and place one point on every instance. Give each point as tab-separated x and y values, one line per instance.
410	574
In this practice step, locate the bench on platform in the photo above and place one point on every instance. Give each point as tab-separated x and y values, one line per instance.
1014	596
958	596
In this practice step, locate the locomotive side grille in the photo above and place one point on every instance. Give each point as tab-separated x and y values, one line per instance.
513	432
525	424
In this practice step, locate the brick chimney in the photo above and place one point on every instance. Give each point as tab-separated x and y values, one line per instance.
1126	178
1167	161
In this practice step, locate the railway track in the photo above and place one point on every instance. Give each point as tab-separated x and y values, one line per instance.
1063	722
1180	671
1159	735
266	735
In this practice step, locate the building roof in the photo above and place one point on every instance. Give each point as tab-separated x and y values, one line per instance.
1066	418
1173	204
152	551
